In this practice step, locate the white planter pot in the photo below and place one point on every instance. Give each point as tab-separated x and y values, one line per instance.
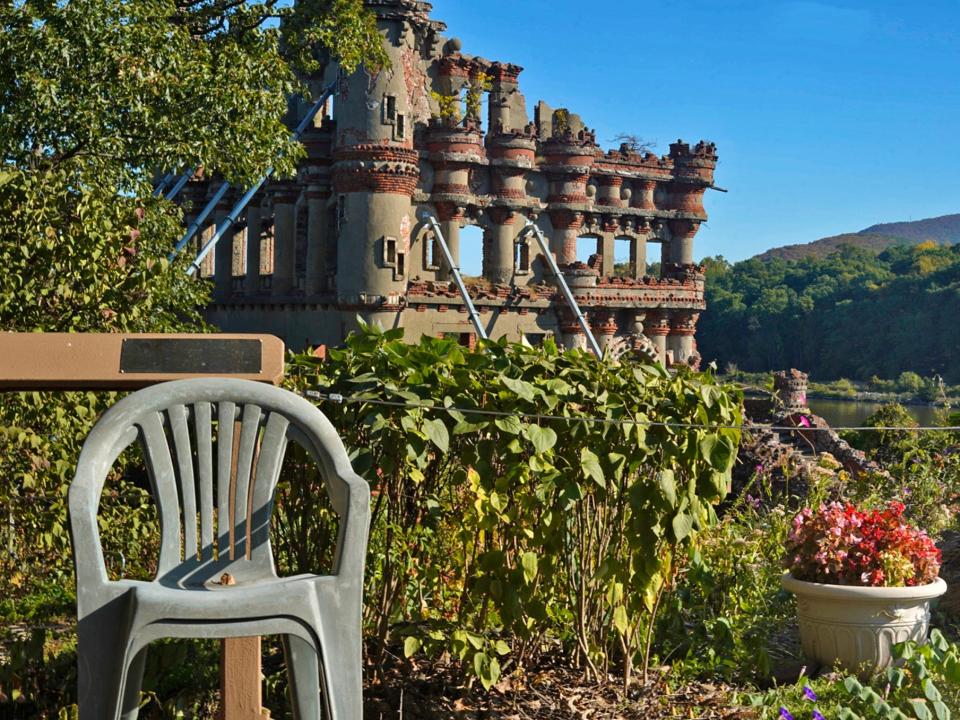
858	626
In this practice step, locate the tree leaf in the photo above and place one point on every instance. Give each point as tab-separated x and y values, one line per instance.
436	430
620	620
411	646
590	464
682	526
542	439
530	567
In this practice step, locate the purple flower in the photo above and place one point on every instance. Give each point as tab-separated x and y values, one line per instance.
759	468
809	694
753	502
818	716
785	714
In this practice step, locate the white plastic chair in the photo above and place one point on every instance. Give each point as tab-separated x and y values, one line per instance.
192	431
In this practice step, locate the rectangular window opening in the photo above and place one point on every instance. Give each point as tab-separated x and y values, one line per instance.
521	260
390	252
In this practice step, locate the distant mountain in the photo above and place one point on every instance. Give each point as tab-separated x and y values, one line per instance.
942	230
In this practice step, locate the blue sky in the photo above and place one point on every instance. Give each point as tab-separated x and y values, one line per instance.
829	116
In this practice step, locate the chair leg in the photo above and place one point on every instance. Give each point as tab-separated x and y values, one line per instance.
342	665
100	645
131	692
303	670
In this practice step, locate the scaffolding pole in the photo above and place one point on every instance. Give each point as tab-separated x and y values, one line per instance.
457	277
564	288
241	205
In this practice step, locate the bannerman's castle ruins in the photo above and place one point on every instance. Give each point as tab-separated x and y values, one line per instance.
347	237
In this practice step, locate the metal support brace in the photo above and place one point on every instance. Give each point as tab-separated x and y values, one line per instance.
457	277
162	185
181	183
564	288
241	205
200	219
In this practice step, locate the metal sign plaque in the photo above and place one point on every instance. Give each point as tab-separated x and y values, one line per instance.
191	356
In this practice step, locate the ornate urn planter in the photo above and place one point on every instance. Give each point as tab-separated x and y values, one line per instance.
858	626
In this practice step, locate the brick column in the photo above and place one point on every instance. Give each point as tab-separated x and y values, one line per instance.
682	234
683	327
606	330
572	335
643	195
566	230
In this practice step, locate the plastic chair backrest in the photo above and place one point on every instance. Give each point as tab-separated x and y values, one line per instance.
213	450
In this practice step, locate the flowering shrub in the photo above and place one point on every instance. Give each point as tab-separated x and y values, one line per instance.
841	545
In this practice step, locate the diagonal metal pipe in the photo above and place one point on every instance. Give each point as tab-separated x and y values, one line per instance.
241	205
533	229
457	277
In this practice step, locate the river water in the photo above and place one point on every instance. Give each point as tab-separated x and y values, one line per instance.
846	413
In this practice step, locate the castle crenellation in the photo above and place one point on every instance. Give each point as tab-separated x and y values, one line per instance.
346	237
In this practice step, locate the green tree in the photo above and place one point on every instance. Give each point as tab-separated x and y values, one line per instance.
95	97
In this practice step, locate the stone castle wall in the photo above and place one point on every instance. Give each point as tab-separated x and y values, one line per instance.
346	238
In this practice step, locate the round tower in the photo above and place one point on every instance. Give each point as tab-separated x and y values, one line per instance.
376	168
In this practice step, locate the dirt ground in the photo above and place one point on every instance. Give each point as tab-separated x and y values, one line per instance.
550	692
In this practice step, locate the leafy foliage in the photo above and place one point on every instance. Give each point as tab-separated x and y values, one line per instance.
923	685
852	314
495	533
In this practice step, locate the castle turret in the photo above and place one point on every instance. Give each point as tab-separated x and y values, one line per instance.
376	168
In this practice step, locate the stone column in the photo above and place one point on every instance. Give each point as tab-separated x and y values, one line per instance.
606	330
317	198
566	230
572	335
450	216
251	280
682	233
502	236
222	253
285	239
657	329
683	327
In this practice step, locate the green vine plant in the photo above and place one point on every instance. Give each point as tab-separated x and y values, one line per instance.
495	538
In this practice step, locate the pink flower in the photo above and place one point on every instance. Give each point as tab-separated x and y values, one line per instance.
842	545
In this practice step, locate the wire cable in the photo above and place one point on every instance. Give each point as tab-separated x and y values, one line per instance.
359	400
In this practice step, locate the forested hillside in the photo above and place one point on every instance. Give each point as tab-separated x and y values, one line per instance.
852	314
